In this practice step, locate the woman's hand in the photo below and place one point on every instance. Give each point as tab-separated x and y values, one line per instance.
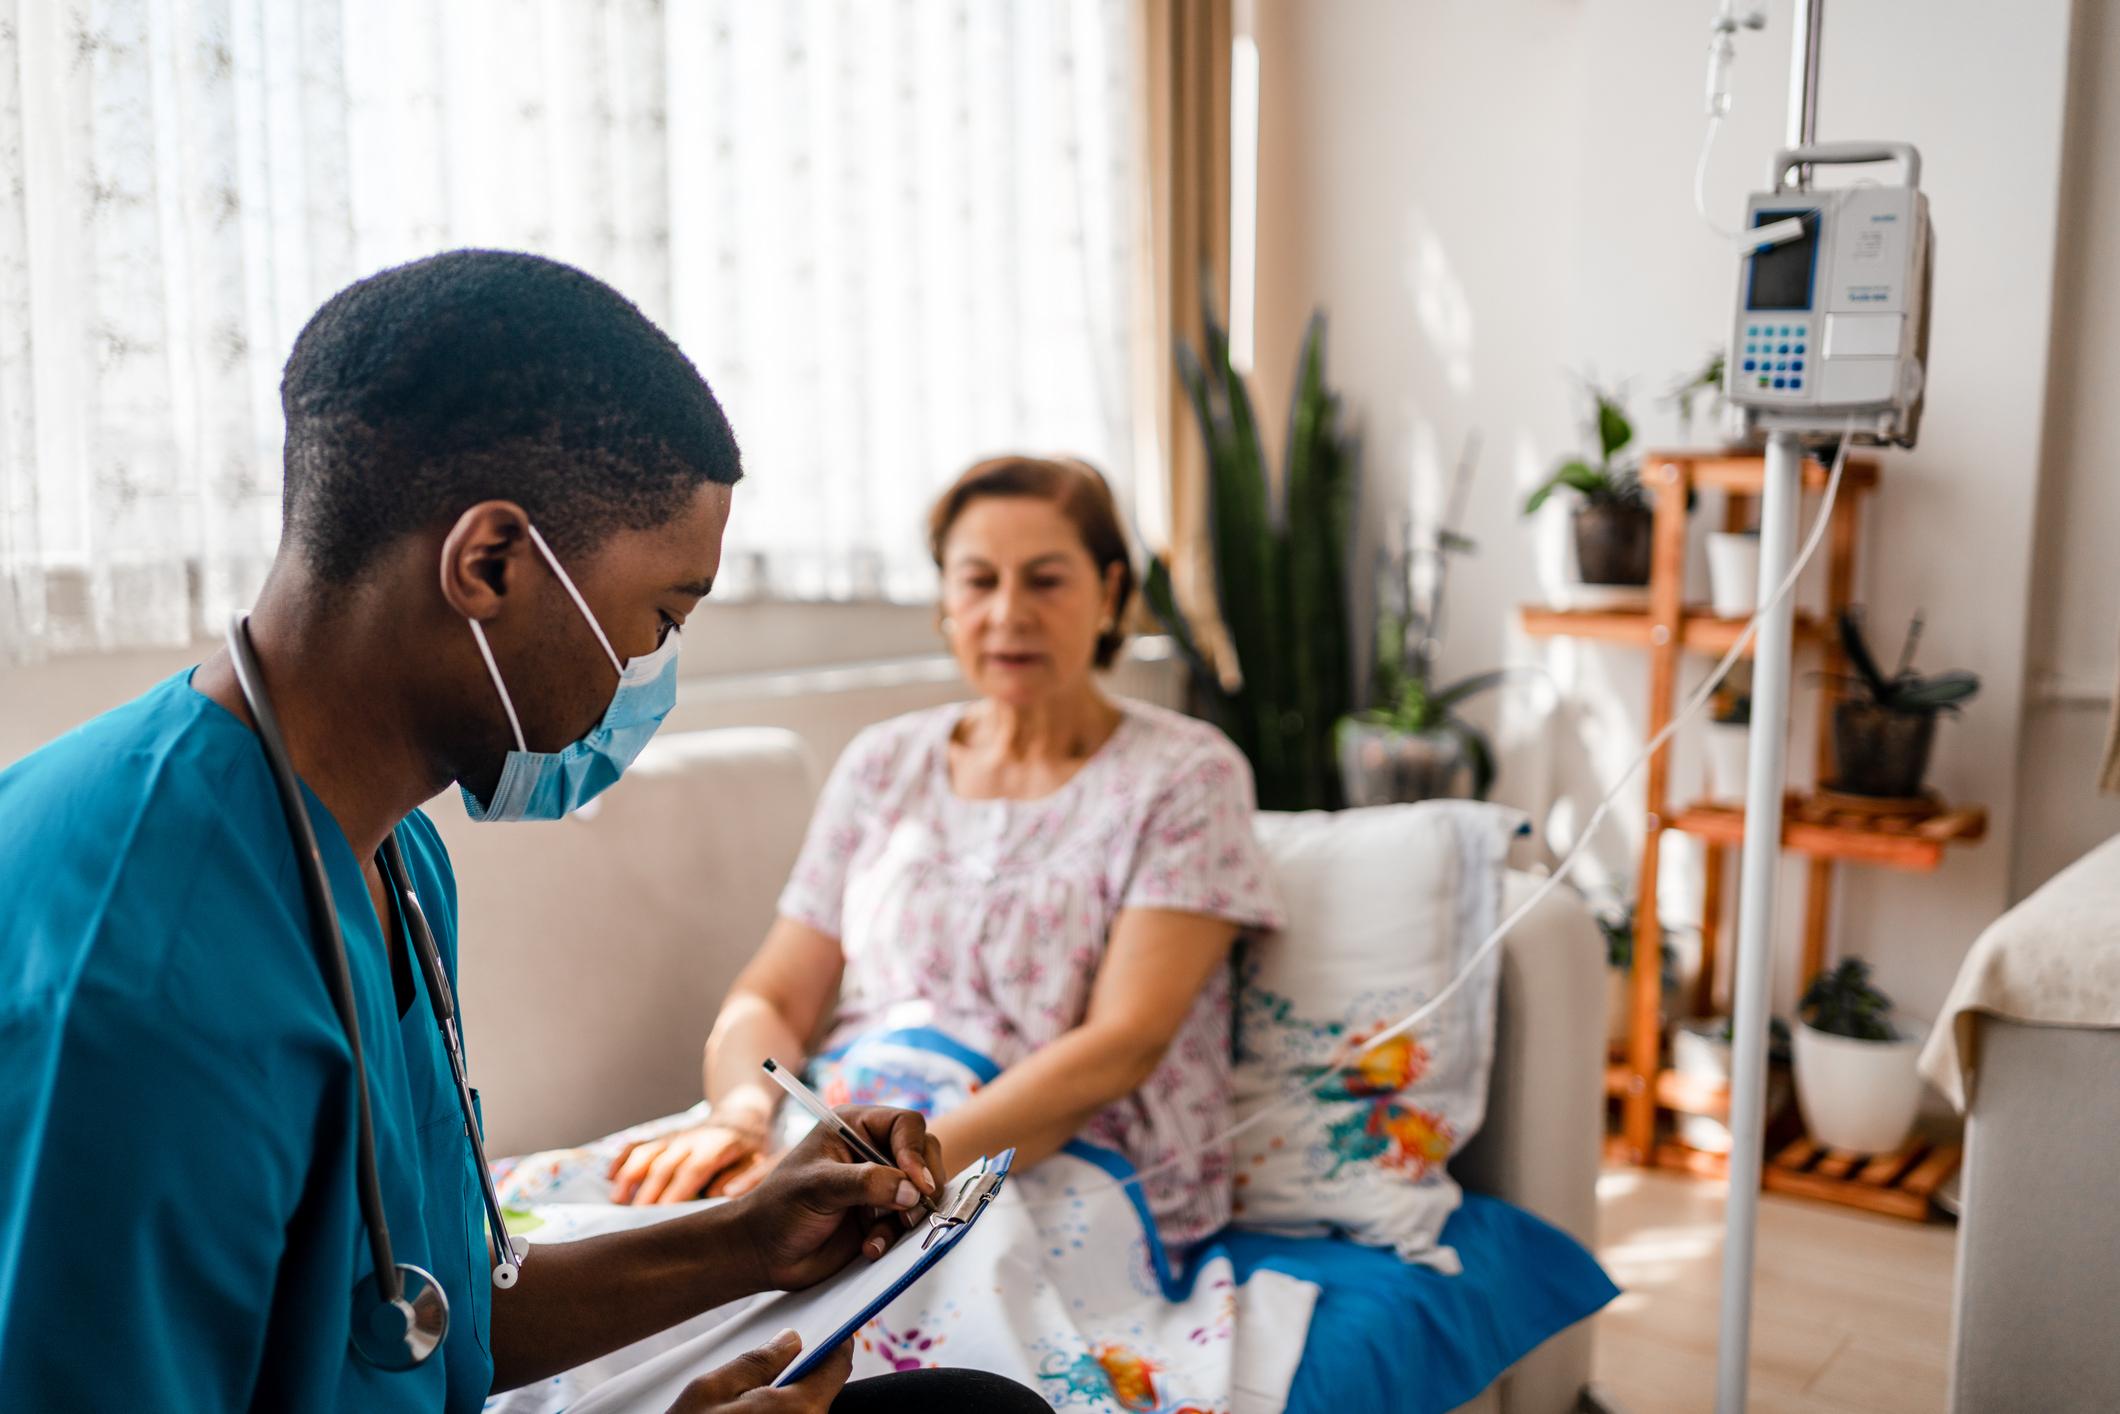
679	1167
822	1203
743	1382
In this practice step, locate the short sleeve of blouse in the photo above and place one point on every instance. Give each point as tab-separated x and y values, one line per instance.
816	889
1197	852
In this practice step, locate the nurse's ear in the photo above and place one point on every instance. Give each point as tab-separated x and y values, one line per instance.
484	556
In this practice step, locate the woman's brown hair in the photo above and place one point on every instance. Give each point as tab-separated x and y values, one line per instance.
1078	491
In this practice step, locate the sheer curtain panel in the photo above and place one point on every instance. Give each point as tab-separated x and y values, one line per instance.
895	235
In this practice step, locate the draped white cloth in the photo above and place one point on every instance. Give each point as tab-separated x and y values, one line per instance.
895	237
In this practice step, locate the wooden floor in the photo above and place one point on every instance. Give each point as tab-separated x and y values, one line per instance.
1851	1314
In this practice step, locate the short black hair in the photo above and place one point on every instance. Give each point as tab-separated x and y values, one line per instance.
489	375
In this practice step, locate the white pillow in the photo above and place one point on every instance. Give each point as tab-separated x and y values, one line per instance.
1383	905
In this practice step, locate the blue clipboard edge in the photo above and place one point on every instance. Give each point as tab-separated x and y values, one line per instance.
813	1356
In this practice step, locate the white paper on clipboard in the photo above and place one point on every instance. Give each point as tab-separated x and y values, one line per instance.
825	1315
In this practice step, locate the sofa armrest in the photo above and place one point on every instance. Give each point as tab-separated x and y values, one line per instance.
1540	1145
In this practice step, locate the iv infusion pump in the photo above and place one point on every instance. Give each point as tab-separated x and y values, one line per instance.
1832	318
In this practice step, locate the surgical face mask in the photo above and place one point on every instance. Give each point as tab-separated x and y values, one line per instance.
541	785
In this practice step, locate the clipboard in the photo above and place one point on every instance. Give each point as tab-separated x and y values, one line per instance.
826	1315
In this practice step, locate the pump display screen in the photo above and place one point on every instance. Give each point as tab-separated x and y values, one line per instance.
1781	275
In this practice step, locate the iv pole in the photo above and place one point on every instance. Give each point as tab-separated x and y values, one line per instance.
1765	775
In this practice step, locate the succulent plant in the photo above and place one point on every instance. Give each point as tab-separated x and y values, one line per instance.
1843	1003
1905	690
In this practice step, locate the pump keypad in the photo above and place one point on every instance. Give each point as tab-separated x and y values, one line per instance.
1774	354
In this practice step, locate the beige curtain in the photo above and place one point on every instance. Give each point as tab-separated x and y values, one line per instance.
1184	109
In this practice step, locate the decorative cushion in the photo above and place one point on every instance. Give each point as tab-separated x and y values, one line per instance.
1384	905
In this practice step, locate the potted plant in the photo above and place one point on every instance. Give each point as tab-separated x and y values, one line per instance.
1707	380
1855	1076
1411	744
1700	1048
1883	731
1729	744
1613	525
1615	919
1417	747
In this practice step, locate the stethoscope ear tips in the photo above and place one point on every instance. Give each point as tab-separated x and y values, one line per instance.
504	1275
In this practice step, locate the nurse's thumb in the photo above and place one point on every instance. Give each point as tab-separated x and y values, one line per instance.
751	1370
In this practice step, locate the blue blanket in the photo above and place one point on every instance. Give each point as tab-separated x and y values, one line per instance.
1400	1339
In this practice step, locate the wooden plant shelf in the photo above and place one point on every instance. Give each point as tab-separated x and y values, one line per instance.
1887	843
1686	1094
1699	631
1898	1185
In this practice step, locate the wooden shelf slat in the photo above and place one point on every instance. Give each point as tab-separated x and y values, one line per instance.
1746	474
1725	825
1686	1094
1699	631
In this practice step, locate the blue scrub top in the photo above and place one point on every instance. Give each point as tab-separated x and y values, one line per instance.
179	1223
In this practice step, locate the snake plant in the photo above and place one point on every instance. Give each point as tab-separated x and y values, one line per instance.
1280	555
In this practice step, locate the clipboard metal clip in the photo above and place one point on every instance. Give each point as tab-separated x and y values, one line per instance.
964	1206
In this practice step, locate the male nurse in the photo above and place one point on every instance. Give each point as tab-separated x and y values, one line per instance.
505	493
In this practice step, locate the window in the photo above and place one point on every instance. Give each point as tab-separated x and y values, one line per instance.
894	237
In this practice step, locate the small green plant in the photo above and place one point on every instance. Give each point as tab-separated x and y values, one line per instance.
1616	921
1843	1003
1607	481
1688	387
1414	708
1905	690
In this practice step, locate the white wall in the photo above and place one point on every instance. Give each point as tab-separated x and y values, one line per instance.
1525	167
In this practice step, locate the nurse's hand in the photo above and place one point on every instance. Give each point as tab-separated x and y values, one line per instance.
822	1204
741	1384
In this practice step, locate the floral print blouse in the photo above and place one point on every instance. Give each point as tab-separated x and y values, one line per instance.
986	919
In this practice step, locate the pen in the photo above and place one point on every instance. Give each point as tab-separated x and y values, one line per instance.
807	1098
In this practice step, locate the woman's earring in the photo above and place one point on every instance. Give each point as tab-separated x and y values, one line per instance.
948	627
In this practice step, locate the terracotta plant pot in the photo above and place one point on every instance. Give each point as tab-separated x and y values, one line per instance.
1612	542
1881	752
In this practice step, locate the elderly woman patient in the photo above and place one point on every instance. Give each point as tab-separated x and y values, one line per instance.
1046	877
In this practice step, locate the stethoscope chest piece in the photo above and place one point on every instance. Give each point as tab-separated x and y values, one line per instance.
397	1335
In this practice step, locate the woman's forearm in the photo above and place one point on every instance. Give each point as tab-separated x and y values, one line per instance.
773	1007
1154	967
748	1032
1042	1101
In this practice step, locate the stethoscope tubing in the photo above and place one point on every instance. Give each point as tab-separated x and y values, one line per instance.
329	940
441	996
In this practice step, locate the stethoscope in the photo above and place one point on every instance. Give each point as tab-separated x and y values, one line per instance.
400	1312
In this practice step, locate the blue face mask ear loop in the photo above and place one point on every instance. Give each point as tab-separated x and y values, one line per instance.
567	583
486	650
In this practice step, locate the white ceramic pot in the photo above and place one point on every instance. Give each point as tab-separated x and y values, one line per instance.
1733	574
1729	752
1697	1048
1858	1095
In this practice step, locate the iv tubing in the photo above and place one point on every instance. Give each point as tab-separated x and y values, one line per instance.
1486	949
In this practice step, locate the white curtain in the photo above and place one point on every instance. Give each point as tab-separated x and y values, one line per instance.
895	235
